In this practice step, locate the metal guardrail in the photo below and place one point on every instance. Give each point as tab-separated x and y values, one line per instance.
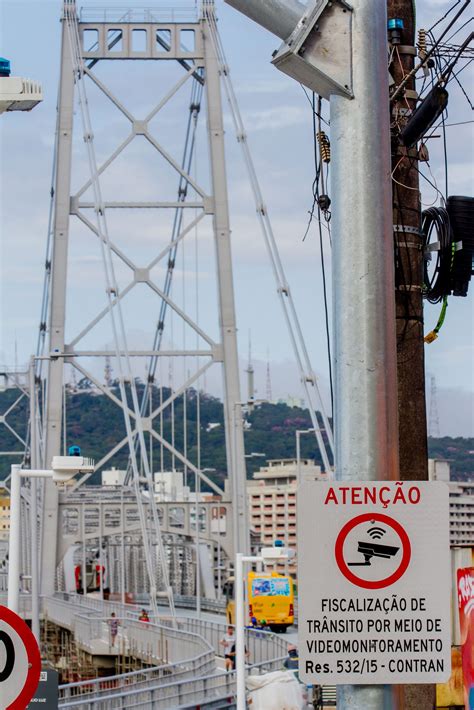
172	695
169	697
97	689
25	604
165	687
152	642
263	646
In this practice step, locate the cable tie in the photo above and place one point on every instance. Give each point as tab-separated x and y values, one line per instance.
405	229
433	246
410	245
407	49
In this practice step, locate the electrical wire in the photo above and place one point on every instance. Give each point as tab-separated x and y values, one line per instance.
308	377
311	103
319	175
446	14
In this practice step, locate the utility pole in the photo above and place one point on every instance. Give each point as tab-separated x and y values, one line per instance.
413	443
413	448
340	52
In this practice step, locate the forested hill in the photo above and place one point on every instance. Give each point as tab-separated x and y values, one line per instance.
95	423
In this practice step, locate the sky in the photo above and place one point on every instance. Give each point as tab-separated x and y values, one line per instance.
278	119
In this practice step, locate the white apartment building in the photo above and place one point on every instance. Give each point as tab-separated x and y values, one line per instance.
114	477
272	502
461	504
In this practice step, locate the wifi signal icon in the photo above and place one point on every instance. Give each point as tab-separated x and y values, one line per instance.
376	533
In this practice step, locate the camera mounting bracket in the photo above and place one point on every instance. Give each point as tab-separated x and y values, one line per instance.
318	53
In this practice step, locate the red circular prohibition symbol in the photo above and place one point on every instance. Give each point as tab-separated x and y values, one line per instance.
33	654
365	583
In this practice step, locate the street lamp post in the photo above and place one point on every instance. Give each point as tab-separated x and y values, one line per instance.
267	554
62	470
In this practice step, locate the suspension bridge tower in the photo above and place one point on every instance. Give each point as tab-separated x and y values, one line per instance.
129	235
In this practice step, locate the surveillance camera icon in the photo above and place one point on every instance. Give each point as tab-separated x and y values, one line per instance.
371	549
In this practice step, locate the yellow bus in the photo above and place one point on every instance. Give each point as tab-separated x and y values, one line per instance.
270	600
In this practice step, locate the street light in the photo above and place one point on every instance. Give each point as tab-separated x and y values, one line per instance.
267	554
63	468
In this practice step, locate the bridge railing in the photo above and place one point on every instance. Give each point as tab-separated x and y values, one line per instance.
25	603
97	689
263	646
167	687
168	694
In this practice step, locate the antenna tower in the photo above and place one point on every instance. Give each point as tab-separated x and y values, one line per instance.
433	426
108	372
269	395
250	375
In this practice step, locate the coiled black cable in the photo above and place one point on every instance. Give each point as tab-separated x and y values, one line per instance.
435	223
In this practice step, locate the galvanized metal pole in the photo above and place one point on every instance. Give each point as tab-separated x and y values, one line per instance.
365	396
366	446
363	268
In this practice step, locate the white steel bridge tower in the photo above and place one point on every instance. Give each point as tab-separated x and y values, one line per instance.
101	55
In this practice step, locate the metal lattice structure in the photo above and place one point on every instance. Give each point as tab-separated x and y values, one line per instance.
87	43
14	392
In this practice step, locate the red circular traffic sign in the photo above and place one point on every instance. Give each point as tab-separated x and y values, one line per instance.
21	666
368	583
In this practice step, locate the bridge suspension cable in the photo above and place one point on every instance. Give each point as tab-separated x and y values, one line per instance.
307	375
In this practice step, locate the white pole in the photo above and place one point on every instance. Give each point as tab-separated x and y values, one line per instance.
298	458
219	575
122	549
239	630
14	546
198	542
84	562
35	624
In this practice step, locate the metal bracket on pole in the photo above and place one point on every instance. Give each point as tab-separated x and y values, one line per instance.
318	53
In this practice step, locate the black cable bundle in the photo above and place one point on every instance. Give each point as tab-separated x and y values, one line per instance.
438	285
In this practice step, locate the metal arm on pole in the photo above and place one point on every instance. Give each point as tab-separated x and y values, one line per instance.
278	16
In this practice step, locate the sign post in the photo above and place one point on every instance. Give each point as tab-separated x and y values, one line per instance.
374	582
20	662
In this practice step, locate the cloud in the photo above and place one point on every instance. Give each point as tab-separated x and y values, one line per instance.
456	412
276	118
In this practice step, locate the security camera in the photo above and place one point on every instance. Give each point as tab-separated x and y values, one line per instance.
66	467
276	553
19	94
371	549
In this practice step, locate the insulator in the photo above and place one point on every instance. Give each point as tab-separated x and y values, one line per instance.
421	42
324	146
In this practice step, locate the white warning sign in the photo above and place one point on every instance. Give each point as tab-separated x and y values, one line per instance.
374	582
